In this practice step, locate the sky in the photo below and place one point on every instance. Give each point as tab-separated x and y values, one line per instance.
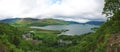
70	10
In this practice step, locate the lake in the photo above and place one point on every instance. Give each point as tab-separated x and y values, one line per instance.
74	29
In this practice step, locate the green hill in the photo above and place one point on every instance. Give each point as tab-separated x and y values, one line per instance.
9	37
43	22
14	39
34	22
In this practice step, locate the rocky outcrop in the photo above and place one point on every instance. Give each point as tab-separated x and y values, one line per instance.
113	43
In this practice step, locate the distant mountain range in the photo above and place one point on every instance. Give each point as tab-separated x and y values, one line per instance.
10	20
33	22
93	22
43	22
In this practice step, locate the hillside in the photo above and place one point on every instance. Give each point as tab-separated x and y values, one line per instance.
13	39
33	22
95	22
11	20
9	37
43	22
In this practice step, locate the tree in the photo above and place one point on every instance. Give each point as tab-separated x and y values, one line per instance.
112	11
111	7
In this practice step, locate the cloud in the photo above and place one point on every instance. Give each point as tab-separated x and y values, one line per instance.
74	10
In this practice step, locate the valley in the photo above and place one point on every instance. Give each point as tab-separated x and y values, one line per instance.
60	26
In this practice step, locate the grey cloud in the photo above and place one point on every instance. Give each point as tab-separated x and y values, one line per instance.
75	10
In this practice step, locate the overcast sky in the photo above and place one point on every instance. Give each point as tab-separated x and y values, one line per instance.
70	10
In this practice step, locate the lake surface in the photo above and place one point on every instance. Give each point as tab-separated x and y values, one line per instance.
74	29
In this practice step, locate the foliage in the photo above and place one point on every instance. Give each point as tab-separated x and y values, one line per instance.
111	7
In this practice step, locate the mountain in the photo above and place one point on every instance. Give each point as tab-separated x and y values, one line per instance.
95	22
43	22
9	20
33	22
89	22
73	22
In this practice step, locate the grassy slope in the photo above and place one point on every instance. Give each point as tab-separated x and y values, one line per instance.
38	22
